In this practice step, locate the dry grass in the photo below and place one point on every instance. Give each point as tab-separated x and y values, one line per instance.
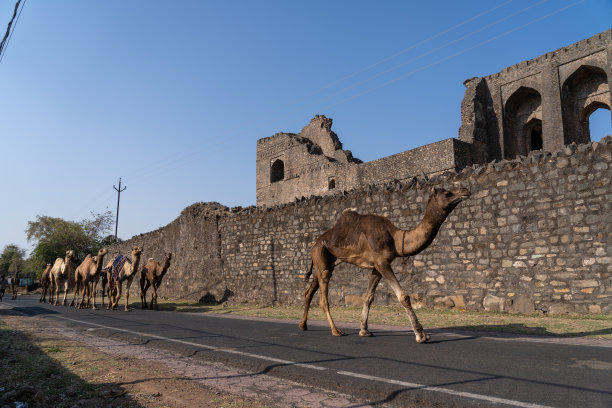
591	326
45	369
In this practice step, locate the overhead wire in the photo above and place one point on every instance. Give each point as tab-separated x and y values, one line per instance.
180	159
11	28
171	161
433	50
457	53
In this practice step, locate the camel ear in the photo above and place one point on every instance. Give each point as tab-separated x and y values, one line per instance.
435	190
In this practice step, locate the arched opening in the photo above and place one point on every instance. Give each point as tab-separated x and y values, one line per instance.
522	123
277	171
331	183
597	121
584	92
533	135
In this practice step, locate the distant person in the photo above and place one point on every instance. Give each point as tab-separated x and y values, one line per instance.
14	284
3	284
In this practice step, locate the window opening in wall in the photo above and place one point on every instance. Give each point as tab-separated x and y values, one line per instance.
277	171
599	123
536	137
331	184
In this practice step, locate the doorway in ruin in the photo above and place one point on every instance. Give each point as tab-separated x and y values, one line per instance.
596	121
532	134
277	171
583	93
522	123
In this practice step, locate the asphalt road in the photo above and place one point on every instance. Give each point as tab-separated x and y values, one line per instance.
454	369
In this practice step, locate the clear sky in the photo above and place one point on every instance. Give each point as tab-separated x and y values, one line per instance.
172	96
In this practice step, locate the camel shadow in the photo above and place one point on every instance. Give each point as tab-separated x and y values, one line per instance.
517	329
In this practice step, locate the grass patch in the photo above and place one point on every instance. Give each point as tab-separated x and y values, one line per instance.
590	326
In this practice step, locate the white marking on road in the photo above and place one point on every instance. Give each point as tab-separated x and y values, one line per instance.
444	390
189	343
319	368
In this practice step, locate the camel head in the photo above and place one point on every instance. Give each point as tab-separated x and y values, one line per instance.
102	252
136	251
69	256
447	200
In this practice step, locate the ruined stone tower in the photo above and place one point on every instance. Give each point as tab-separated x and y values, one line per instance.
543	103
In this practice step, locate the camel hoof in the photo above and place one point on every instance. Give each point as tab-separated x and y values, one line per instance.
365	333
423	337
338	333
303	326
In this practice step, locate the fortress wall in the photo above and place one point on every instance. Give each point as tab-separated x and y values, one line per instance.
536	234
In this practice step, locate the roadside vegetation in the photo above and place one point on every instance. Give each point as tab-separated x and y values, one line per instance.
589	326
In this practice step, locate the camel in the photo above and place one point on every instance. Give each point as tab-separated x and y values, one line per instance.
151	275
87	274
372	241
45	283
60	273
126	274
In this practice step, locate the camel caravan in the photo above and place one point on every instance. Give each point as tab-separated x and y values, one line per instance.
93	272
367	241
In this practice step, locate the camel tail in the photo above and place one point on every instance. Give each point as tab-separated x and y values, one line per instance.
308	273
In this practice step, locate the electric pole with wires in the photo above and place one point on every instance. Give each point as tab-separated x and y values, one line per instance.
119	190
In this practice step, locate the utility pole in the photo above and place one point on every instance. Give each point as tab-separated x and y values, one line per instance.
119	190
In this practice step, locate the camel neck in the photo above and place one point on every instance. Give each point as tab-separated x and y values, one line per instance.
416	240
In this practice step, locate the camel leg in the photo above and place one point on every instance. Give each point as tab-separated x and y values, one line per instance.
66	283
404	299
368	298
76	292
324	278
127	295
144	286
51	291
81	304
312	289
94	288
154	297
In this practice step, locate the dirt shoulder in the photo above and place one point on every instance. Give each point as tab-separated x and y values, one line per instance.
48	364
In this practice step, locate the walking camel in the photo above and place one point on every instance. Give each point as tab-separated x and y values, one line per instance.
60	273
127	273
151	275
372	241
87	275
45	282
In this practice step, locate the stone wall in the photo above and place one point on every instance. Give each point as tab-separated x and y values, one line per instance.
535	235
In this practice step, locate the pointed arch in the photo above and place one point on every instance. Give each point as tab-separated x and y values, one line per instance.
522	116
583	92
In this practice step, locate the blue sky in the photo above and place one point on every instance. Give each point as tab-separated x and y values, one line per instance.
173	95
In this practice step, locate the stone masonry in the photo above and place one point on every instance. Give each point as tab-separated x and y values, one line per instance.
535	235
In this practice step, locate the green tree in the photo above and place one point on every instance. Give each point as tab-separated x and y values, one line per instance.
54	236
9	253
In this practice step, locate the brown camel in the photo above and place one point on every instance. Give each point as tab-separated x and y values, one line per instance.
87	275
60	273
45	283
151	275
372	241
126	274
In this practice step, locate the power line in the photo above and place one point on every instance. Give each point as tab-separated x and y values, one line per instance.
9	32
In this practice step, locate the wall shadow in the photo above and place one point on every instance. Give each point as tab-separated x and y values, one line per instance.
28	374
